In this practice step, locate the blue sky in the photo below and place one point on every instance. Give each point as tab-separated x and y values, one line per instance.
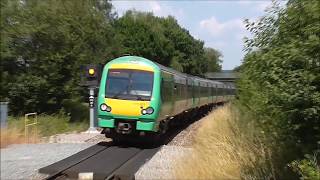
218	23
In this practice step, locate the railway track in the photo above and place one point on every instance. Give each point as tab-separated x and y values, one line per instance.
101	161
106	160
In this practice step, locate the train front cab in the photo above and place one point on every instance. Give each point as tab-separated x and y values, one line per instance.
129	98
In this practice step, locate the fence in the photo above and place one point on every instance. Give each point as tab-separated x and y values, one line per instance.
30	127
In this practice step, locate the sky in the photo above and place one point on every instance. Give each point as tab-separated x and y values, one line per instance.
219	24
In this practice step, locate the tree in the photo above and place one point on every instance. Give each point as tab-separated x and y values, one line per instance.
213	58
161	40
43	45
280	76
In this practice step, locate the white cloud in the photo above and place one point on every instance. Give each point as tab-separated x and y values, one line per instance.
155	6
260	6
245	2
158	8
263	5
216	28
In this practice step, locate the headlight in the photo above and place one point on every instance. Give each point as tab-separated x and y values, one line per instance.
108	109
143	111
149	110
105	107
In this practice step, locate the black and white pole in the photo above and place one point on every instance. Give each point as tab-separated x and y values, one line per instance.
91	129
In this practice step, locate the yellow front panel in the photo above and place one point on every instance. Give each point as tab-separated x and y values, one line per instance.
131	66
126	107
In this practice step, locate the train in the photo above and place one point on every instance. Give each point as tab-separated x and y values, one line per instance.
138	97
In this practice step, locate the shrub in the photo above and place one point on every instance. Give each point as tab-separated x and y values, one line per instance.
76	110
308	168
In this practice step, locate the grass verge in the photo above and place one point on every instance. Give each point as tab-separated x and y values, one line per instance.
11	136
226	148
47	125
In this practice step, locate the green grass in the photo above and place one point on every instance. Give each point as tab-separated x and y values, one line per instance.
49	124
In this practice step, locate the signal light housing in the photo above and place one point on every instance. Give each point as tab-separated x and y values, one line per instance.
91	75
91	71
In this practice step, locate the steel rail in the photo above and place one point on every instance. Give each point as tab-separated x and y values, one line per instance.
56	170
104	162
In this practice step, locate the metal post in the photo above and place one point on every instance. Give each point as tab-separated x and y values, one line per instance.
91	129
3	114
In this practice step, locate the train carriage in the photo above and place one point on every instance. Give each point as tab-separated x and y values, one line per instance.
139	97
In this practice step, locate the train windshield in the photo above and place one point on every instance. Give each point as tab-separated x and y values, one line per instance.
129	84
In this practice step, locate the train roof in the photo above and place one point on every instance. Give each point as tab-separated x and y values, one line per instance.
167	69
170	70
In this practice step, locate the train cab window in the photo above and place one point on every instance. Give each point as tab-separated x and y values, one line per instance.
129	84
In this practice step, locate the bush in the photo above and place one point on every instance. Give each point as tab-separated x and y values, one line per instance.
41	52
280	80
76	110
308	168
47	125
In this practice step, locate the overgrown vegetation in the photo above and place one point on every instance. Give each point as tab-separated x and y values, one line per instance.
307	168
164	41
50	124
227	146
11	136
47	125
43	44
280	84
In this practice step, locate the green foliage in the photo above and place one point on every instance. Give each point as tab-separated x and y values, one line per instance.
164	41
213	58
76	110
308	168
59	123
280	79
43	44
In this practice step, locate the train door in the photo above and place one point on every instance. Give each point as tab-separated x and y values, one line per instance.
216	93
189	93
202	94
196	90
194	95
223	90
185	92
167	96
176	94
210	92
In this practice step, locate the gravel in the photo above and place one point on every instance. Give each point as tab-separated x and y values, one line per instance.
23	161
77	138
185	137
162	164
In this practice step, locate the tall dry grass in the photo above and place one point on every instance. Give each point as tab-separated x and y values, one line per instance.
47	126
224	149
11	136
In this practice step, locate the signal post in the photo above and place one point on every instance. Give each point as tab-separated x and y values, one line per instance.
92	80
